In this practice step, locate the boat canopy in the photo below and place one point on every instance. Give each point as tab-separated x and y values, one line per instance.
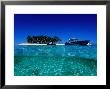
73	39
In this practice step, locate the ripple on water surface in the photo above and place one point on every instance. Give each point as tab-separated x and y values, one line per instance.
55	61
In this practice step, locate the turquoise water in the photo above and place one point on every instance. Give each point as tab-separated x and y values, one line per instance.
55	60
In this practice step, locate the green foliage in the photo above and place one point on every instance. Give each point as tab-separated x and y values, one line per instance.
43	39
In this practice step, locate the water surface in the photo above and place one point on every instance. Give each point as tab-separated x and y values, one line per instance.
55	60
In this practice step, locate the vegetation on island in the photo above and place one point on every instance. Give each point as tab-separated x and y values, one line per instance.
43	39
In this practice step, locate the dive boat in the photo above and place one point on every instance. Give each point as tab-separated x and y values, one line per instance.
74	41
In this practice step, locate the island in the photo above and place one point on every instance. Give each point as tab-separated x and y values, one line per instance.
47	40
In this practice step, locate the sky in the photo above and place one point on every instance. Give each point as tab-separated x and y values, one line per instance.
65	26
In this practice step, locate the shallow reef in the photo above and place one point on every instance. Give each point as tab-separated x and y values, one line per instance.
55	61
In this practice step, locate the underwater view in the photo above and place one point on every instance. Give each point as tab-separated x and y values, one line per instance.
55	60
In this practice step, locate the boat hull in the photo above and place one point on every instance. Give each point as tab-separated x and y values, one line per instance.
83	43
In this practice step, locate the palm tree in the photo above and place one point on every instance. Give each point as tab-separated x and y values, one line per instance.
29	39
56	39
43	39
34	39
39	39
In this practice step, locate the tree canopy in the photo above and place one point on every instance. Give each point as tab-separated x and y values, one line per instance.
43	39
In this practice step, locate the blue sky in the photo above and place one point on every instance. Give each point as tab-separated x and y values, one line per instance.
65	26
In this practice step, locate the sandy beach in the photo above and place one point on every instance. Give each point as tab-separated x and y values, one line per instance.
35	44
